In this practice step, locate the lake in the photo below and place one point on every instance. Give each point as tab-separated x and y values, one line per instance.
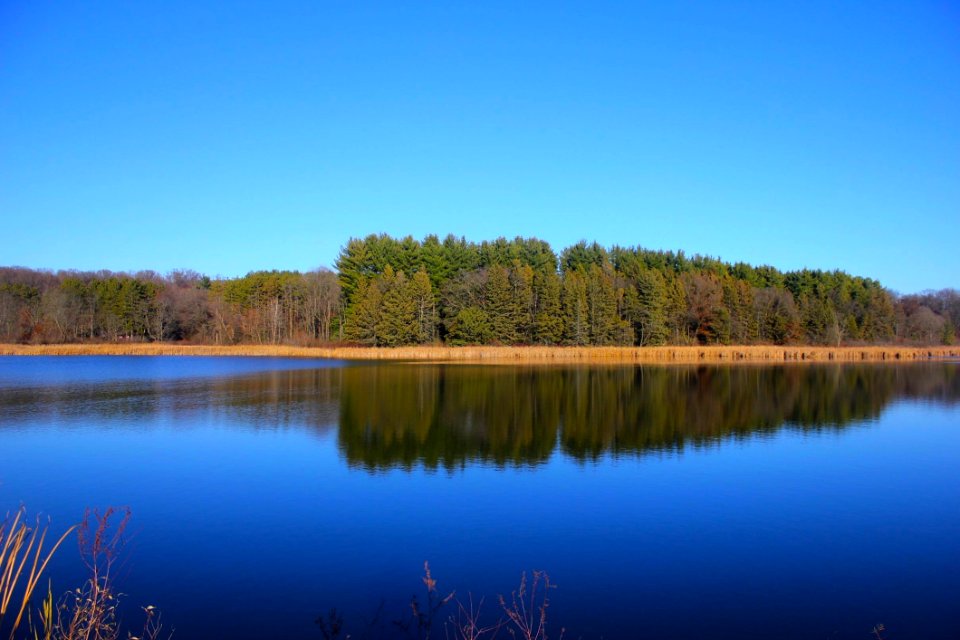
797	501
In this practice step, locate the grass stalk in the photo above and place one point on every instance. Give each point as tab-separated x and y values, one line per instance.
22	548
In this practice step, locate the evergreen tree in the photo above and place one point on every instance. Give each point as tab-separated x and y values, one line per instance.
575	312
738	300
501	306
398	322
649	311
675	309
949	330
601	306
460	255
817	319
471	326
548	322
435	262
354	268
363	317
421	292
581	255
878	315
524	302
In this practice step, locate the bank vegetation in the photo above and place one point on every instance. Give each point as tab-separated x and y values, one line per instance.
389	292
493	354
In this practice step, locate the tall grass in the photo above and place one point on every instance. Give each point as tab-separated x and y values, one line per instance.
507	355
22	563
86	613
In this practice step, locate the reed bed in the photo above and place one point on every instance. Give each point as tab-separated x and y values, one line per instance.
501	355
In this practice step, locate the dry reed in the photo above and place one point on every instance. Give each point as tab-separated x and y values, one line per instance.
22	549
86	613
503	355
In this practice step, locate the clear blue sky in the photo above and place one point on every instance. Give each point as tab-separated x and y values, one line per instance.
227	137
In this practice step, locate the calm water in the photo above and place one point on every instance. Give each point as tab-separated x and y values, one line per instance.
710	502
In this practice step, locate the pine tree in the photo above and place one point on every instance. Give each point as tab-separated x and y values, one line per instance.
524	305
421	292
548	322
675	309
738	299
435	261
398	323
364	315
354	268
601	306
817	320
471	326
501	307
576	323
649	317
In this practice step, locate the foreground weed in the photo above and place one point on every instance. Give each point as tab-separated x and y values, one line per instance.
423	616
527	609
467	623
90	612
22	563
86	613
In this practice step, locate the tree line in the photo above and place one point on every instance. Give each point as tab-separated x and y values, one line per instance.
267	307
389	292
404	291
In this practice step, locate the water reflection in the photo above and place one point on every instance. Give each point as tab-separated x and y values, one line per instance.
268	400
446	416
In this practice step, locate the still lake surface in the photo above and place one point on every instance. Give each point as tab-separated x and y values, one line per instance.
800	501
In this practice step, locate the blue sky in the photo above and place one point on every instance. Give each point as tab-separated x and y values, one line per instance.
228	137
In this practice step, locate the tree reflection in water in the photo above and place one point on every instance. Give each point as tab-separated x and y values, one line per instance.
448	415
445	416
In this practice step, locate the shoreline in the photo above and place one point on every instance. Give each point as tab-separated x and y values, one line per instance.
487	354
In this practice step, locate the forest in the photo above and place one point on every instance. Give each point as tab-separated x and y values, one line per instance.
389	291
